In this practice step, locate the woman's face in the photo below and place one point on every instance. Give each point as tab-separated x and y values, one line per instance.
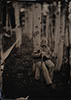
44	47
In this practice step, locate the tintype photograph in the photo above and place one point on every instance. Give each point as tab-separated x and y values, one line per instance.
35	49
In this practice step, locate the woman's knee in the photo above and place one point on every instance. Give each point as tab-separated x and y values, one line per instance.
50	64
53	65
38	64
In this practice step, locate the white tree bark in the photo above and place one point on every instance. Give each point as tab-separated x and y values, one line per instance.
36	25
66	29
1	53
18	28
26	23
70	29
57	28
51	28
49	35
47	23
44	14
61	42
54	25
66	36
29	23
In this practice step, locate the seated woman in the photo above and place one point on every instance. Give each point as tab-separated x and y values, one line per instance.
47	55
39	64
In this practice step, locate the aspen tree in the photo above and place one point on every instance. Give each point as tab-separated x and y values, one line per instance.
70	29
18	28
29	29
61	41
1	49
47	22
66	34
57	27
26	22
49	35
44	14
36	25
51	26
1	58
66	26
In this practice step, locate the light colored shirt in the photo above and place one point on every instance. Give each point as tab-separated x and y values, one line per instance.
46	51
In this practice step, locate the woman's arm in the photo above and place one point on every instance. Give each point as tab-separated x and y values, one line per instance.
35	55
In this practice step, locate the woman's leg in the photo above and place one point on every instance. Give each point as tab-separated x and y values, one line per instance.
37	71
46	74
42	67
51	67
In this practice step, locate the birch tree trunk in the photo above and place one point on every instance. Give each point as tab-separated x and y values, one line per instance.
70	30
1	48
44	14
54	29
66	35
25	31
61	41
1	58
57	28
18	28
66	26
36	25
47	23
29	23
49	35
51	26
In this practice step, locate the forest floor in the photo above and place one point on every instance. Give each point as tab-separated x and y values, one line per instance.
18	79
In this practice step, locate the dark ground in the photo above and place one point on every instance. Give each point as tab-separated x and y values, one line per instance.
18	80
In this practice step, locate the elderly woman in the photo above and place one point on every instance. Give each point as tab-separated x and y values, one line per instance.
42	62
47	55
